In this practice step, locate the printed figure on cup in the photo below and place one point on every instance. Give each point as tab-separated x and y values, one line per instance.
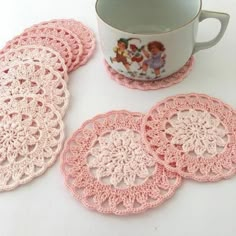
137	59
156	58
122	54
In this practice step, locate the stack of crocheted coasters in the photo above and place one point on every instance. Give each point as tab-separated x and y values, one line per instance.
124	163
34	97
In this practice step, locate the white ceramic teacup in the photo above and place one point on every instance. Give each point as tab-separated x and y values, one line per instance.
152	39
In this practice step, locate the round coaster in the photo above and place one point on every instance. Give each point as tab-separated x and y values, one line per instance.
31	137
151	85
193	135
83	32
35	53
57	44
108	170
65	34
35	78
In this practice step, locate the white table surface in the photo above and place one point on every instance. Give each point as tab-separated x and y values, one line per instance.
45	207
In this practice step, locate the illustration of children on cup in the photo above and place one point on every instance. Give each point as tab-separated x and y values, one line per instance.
126	56
139	59
122	54
155	58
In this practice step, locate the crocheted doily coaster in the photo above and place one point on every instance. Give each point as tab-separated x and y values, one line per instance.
35	78
108	170
65	34
31	137
83	32
193	135
57	44
151	85
44	55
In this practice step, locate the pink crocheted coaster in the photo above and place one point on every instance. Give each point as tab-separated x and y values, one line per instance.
35	53
193	135
151	85
63	33
31	136
35	78
57	44
83	32
108	170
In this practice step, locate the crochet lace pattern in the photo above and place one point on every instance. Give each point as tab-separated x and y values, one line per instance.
83	32
35	78
107	168
151	85
31	136
65	34
34	70
57	44
193	135
35	53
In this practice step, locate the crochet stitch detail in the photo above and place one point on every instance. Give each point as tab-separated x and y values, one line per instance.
74	42
121	157
35	78
193	135
83	32
99	137
31	136
198	132
42	39
35	53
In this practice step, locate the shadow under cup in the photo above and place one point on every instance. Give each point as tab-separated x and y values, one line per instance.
147	17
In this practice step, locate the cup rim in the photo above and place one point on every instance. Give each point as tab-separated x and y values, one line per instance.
146	34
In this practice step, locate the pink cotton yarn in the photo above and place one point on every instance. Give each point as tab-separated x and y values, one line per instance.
107	168
63	33
41	39
34	53
29	77
86	36
34	97
72	39
31	137
193	135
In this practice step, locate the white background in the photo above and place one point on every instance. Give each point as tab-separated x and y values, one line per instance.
45	207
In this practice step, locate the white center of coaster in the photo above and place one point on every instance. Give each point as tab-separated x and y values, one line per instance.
119	159
198	133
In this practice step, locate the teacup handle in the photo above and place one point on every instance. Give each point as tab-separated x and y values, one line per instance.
224	20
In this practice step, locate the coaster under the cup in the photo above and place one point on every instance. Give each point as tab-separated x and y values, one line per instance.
193	135
173	79
106	167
